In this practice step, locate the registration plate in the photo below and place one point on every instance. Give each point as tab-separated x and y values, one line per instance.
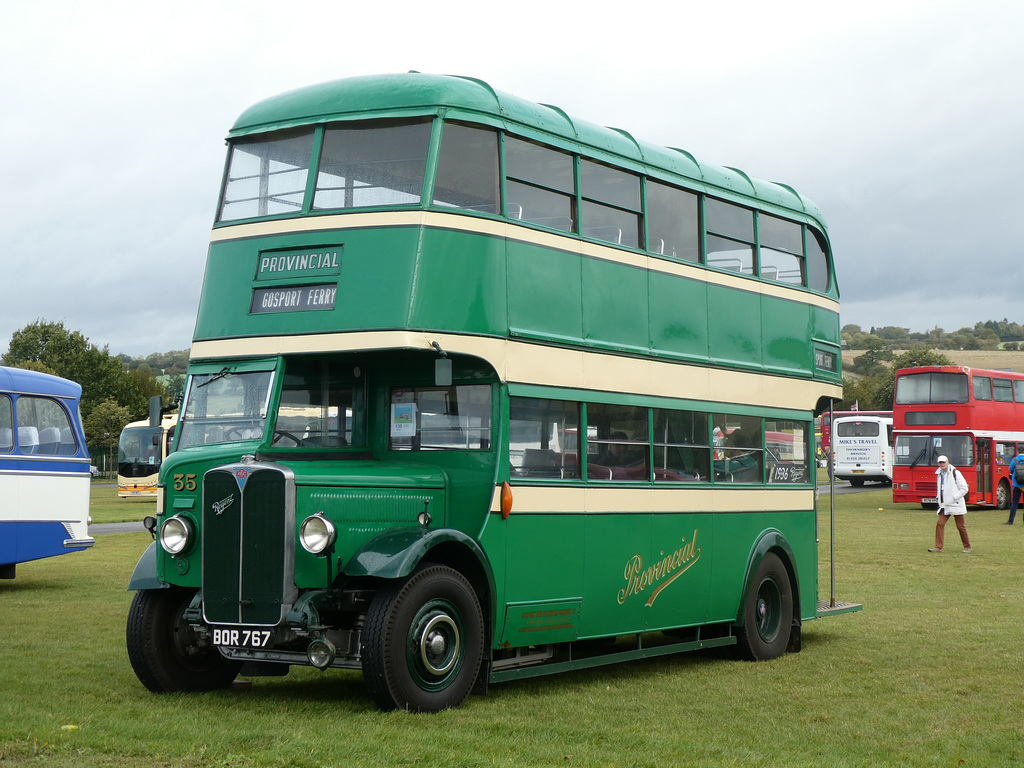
242	638
929	501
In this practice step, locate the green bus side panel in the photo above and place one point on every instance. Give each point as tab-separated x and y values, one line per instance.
544	564
545	294
391	278
646	572
786	326
541	623
467	274
734	327
615	305
639	572
679	316
731	560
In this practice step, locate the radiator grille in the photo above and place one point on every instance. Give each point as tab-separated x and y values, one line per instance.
248	543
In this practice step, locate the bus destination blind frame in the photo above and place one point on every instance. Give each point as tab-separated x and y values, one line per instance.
293	298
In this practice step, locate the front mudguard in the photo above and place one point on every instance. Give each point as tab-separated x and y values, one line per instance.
144	576
395	553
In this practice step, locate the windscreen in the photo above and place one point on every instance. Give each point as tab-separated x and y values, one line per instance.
224	407
920	388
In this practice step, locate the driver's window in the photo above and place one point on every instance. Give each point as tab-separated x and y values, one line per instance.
321	405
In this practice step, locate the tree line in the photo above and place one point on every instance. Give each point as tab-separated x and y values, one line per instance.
115	388
992	334
872	383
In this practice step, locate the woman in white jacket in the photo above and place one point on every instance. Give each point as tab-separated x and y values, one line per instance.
951	491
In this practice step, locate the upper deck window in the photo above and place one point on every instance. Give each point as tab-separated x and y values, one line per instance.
918	388
540	187
467	169
730	236
672	224
1002	390
982	388
372	163
817	261
611	204
266	176
782	250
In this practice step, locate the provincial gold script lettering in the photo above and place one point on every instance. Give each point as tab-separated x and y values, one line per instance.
661	574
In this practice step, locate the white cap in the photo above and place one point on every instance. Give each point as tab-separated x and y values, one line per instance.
943	459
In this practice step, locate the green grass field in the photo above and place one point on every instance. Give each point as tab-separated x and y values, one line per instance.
928	674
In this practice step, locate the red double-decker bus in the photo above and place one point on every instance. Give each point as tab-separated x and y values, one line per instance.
974	417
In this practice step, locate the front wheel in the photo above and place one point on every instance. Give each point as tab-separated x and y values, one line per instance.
767	612
423	642
166	653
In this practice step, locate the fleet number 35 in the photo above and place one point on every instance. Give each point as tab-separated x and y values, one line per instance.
184	482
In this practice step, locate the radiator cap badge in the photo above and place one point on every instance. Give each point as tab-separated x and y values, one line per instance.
241	475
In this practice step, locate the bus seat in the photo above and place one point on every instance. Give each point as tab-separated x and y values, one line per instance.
49	441
6	439
28	439
67	442
540	462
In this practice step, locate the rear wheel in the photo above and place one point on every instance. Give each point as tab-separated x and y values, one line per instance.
767	612
1003	495
166	653
423	642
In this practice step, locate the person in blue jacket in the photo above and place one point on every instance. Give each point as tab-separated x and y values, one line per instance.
1018	486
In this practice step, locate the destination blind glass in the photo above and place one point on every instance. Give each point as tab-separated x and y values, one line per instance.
293	298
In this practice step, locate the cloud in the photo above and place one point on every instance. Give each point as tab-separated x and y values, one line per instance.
902	121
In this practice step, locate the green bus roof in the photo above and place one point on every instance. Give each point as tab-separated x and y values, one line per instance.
414	93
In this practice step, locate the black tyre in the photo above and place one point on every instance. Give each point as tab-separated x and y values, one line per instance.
423	641
767	612
165	652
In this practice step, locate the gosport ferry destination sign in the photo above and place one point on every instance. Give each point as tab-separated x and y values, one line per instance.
284	265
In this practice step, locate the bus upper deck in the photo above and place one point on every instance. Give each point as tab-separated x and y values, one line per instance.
542	229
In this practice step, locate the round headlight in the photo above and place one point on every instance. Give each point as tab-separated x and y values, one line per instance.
176	534
316	534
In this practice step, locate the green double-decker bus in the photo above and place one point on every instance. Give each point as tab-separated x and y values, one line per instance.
480	391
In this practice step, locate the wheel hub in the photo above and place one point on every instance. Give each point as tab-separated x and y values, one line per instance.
439	644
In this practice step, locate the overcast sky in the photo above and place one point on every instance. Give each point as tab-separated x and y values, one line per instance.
902	119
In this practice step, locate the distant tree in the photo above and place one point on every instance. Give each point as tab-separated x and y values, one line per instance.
892	333
69	354
871	362
144	385
103	428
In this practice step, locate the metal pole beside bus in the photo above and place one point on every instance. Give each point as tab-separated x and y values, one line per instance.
832	511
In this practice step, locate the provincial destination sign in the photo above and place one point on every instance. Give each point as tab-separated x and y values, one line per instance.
318	261
293	298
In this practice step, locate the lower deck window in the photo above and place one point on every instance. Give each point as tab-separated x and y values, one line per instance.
635	444
441	418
